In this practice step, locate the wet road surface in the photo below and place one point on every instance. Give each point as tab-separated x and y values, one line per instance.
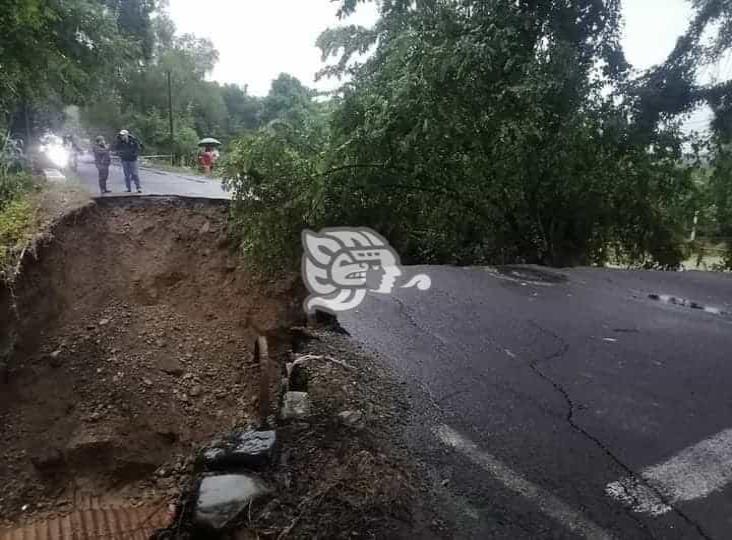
569	404
154	182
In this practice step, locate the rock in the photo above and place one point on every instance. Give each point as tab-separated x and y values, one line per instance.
250	448
352	419
212	456
103	322
196	390
170	366
222	498
160	343
46	459
254	448
147	382
295	406
55	359
89	443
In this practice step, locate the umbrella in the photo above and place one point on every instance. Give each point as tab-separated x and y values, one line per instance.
209	141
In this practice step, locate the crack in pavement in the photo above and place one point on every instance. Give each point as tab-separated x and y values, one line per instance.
442	345
564	348
445	348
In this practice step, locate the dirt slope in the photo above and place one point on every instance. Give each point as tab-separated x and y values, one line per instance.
125	343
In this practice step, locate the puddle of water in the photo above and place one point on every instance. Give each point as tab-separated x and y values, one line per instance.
677	301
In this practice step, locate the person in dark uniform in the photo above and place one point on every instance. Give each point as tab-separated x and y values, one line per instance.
128	147
102	159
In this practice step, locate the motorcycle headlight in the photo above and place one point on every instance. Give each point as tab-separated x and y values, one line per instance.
59	156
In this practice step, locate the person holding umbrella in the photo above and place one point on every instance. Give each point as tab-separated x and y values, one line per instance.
207	158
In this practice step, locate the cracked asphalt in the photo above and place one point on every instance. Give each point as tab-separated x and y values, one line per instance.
565	381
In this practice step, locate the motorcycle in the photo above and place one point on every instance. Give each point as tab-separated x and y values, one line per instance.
57	154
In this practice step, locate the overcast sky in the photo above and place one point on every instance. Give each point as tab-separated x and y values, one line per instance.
258	39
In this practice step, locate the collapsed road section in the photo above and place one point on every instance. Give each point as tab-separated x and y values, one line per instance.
127	339
152	386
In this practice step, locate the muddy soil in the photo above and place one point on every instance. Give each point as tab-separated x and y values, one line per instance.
337	478
126	341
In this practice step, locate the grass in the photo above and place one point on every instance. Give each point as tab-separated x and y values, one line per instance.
27	215
16	225
706	256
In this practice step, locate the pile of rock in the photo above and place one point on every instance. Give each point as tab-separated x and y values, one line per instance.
228	485
230	469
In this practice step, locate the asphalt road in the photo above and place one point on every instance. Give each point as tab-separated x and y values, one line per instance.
570	404
154	182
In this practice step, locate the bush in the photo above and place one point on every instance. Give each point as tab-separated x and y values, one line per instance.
274	178
12	186
16	221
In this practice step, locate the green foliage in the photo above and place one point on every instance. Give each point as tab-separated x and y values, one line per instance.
16	220
477	131
277	178
13	180
16	212
56	50
12	185
138	101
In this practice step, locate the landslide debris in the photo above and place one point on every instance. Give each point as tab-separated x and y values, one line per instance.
126	342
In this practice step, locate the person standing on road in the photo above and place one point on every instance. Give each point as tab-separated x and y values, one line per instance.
102	159
206	160
128	147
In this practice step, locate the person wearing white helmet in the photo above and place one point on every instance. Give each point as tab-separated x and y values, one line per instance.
128	148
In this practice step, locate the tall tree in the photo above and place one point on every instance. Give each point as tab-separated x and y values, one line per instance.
55	50
475	131
497	108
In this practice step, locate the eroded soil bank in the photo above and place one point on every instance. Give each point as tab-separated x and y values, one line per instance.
125	342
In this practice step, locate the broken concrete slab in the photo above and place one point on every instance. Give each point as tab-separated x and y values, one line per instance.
295	406
222	498
250	448
352	419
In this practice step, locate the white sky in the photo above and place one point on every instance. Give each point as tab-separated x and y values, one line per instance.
258	39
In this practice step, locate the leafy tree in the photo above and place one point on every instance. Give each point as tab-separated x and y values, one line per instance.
277	175
243	111
288	99
134	22
53	49
482	131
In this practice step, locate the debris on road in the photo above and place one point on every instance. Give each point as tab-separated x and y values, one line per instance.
133	350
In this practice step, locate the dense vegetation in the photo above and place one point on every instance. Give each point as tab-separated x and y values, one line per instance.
494	131
474	131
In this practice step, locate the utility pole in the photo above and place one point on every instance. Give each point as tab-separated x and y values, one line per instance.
693	229
170	118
